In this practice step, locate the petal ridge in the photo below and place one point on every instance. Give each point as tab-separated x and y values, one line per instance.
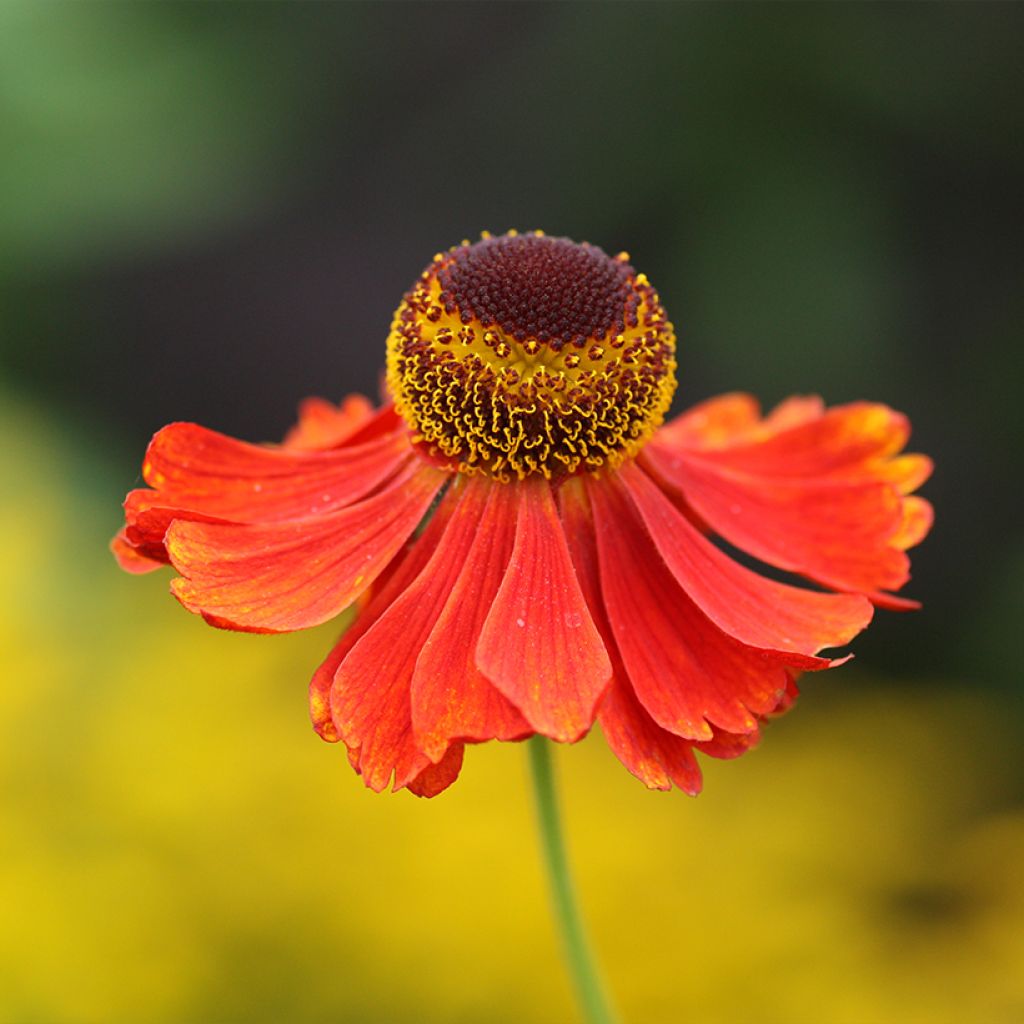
371	703
686	672
405	567
539	645
750	608
280	577
451	697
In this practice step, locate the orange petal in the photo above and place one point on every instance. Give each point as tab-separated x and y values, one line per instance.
834	532
843	437
892	603
905	472
713	423
655	756
727	745
793	411
130	558
322	425
539	644
405	567
918	516
204	476
451	698
750	608
436	778
370	698
686	672
280	577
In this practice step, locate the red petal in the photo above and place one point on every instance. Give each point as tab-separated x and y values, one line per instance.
756	611
385	591
727	745
656	757
793	411
834	532
384	421
285	576
844	436
323	425
451	698
370	699
436	778
208	477
686	672
712	423
539	645
130	558
892	603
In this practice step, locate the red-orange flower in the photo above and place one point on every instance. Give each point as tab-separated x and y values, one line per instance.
530	549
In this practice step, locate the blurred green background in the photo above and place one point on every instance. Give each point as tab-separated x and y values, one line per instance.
210	211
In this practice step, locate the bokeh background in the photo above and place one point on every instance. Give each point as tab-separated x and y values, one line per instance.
210	211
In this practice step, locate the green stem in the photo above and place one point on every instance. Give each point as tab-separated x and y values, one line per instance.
585	978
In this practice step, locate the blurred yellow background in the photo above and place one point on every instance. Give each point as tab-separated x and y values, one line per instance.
210	211
179	846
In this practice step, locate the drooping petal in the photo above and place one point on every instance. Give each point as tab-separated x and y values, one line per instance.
370	700
686	672
322	425
812	490
405	567
728	745
835	532
204	476
539	645
278	577
752	609
451	697
130	558
655	756
436	778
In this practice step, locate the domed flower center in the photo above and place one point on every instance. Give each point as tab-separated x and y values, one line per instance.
526	354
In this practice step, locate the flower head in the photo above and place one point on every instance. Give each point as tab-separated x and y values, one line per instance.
531	551
526	354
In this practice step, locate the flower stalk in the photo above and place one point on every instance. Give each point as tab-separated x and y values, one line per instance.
586	979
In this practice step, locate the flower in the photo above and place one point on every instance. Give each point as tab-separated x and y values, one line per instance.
529	548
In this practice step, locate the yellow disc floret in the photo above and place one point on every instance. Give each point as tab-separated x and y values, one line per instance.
525	354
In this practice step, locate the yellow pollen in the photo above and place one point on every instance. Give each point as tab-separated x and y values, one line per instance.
565	361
